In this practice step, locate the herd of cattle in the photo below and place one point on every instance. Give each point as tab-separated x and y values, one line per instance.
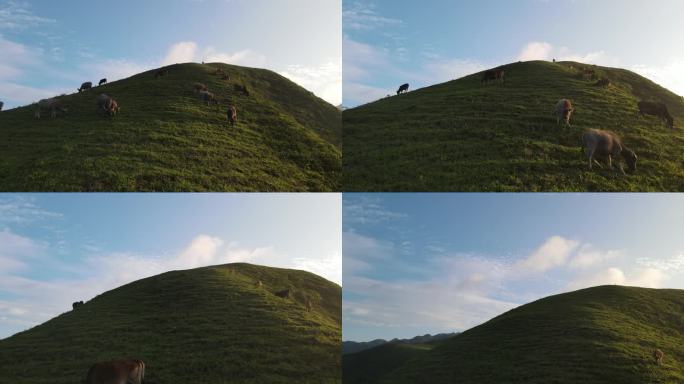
597	143
106	104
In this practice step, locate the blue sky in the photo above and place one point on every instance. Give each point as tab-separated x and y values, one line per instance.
389	42
430	263
49	47
59	248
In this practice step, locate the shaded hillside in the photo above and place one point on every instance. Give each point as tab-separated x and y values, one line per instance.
206	325
466	136
369	365
603	334
354	346
165	139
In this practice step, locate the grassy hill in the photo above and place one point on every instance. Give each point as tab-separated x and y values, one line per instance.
165	139
604	334
206	325
466	136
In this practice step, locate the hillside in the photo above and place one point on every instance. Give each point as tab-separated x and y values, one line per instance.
205	325
466	136
604	334
165	139
354	346
370	365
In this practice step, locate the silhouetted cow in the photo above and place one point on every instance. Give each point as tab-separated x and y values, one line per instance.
403	88
285	293
102	81
232	117
606	144
76	304
107	105
128	371
656	109
54	105
161	72
1	105
85	86
493	75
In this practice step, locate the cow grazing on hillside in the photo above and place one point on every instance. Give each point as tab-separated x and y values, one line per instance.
161	72
656	109
309	305
85	86
658	356
258	284
285	293
493	75
564	110
102	81
208	97
605	144
588	74
602	83
1	105
107	104
198	87
76	304
127	371
53	105
232	117
403	88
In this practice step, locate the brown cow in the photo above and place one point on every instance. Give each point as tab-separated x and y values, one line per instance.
200	87
606	144
258	284
493	75
54	105
658	356
128	371
602	83
208	97
242	89
232	115
588	74
107	104
564	110
656	109
309	305
285	293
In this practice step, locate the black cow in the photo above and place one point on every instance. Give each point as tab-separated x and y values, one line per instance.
493	75
1	105
241	88
161	72
656	109
285	293
102	81
403	88
76	304
85	86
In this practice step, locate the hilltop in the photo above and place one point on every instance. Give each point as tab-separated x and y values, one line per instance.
466	136
205	325
354	347
604	334
165	139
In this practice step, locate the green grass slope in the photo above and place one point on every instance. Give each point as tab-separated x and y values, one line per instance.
465	136
165	139
206	325
371	364
604	334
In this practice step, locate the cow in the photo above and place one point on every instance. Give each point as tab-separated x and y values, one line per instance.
564	110
107	104
656	109
258	284
76	304
1	105
225	77
127	371
602	83
161	72
208	97
232	117
588	74
200	87
85	86
309	305
285	293
102	81
242	89
403	88
606	144
493	75
219	71
54	105
658	356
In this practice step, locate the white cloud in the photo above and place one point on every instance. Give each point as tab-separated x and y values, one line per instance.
113	69
540	50
244	57
17	15
324	81
553	253
647	277
670	74
182	52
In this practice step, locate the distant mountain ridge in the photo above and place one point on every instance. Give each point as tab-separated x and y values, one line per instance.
354	346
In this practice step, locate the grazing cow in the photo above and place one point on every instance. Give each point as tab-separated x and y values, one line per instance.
493	75
309	305
107	104
658	356
208	97
85	86
403	88
102	81
605	144
588	74
200	87
232	117
242	89
161	72
76	304
1	105
128	371
225	77
53	105
656	109
602	83
564	110
285	293
258	284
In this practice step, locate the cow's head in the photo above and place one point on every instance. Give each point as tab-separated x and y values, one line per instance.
630	158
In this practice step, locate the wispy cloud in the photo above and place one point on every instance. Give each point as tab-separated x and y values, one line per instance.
17	15
363	16
367	210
